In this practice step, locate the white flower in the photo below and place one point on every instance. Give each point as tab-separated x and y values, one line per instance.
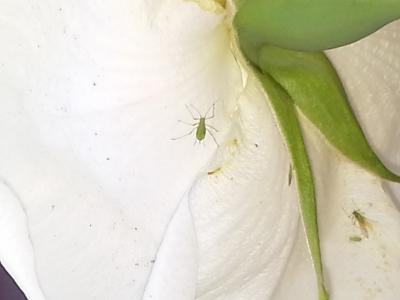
98	202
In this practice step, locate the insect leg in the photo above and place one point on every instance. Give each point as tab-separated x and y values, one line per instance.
179	137
211	127
215	140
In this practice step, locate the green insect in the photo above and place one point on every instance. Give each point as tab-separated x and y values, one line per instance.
355	238
200	126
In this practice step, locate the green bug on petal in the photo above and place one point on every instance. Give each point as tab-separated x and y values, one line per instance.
355	238
200	125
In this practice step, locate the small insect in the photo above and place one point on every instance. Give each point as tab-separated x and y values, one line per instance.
290	175
355	238
200	125
217	170
362	222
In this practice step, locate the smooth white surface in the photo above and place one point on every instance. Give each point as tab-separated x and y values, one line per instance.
90	101
109	207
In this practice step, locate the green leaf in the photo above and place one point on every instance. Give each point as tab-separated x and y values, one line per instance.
311	25
313	84
286	116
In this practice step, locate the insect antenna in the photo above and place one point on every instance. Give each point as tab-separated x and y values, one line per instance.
212	113
187	123
189	107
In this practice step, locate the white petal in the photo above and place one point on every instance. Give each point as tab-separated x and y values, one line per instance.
90	101
175	271
244	215
93	94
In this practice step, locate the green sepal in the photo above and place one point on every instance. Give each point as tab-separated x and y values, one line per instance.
311	25
313	84
286	115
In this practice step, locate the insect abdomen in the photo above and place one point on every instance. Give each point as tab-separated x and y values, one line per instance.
201	129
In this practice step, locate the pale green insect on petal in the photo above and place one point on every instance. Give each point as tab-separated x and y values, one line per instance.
312	25
313	84
287	118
